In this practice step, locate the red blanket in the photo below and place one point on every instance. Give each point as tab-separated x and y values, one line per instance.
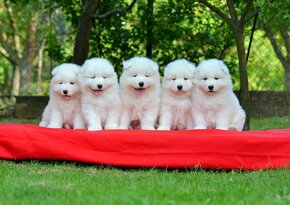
249	150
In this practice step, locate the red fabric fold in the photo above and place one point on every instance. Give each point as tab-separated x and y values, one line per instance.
210	149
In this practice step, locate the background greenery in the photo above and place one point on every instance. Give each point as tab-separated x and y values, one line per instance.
182	29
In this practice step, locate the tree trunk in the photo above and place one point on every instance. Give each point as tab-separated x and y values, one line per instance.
81	48
29	54
39	69
244	86
5	88
15	80
149	29
287	76
285	34
25	77
284	59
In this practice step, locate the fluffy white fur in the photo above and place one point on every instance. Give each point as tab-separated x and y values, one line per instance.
140	93
63	109
101	103
175	110
214	103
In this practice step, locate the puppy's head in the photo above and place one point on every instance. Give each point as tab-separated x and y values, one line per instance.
140	75
65	81
178	76
212	76
97	76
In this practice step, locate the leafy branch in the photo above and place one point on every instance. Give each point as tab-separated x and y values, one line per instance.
118	10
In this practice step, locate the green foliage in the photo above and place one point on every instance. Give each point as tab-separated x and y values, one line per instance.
5	69
275	11
72	9
182	29
59	31
118	37
265	71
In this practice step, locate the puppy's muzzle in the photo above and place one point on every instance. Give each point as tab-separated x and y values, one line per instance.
179	87
100	86
65	92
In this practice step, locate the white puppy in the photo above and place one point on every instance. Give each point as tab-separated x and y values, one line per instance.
63	109
214	103
101	103
175	110
140	93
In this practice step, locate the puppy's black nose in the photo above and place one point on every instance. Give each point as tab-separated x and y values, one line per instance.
65	92
100	86
141	84
210	87
179	87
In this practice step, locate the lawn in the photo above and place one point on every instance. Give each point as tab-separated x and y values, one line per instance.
39	182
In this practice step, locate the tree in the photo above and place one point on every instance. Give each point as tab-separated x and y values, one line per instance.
19	41
189	30
149	28
237	23
81	48
181	30
284	58
275	22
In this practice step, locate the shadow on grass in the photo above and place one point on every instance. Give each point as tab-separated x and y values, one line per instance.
127	169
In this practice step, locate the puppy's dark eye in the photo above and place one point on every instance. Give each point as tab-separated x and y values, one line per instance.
60	82
185	78
104	77
216	78
204	78
134	76
72	83
93	77
173	78
146	76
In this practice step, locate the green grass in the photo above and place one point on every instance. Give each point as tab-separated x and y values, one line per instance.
270	123
39	182
18	121
69	183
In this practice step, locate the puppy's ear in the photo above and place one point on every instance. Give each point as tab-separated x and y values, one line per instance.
127	64
197	69
82	68
191	67
77	69
55	70
154	66
224	68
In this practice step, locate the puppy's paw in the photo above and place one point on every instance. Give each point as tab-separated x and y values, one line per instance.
43	124
199	127
94	128
79	127
66	126
162	127
233	128
111	127
54	125
122	127
221	128
148	128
